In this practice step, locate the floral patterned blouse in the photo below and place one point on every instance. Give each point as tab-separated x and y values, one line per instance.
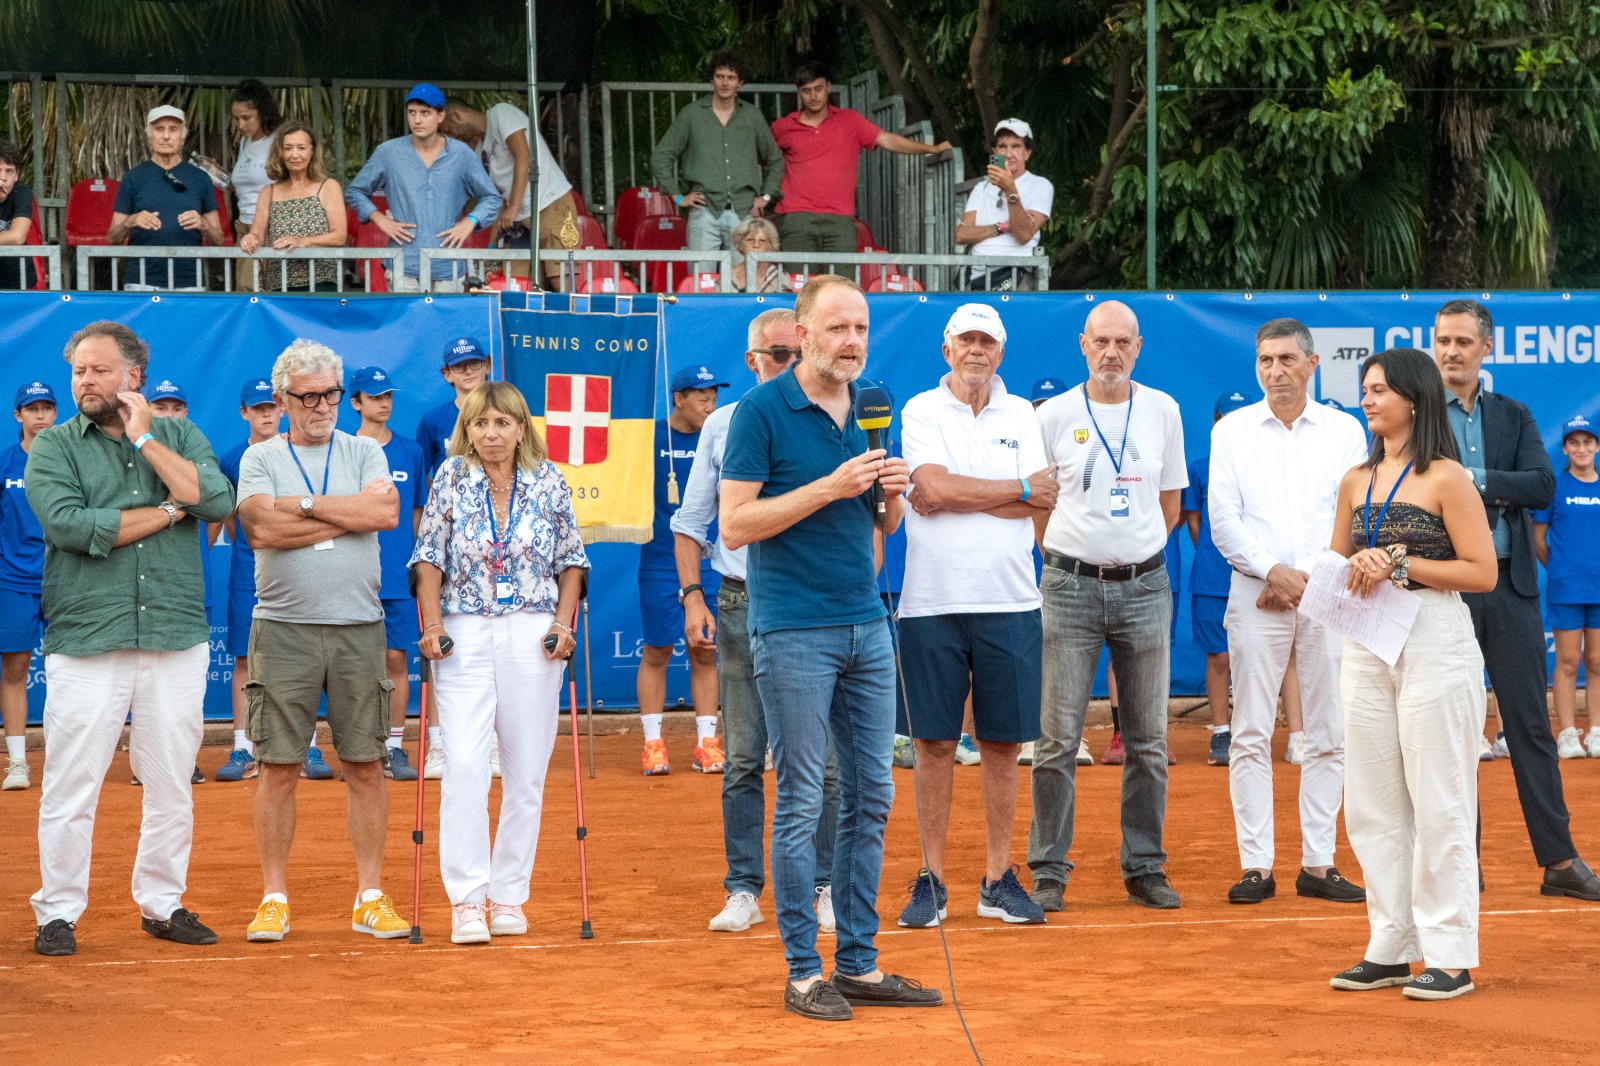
455	537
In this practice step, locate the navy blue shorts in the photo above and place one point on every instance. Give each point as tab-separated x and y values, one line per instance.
401	632
660	612
1205	616
21	621
999	657
241	607
1567	616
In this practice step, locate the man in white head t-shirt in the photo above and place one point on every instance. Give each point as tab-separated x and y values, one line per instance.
1005	214
1118	450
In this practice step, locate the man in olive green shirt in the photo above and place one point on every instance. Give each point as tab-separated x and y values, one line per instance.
719	160
118	496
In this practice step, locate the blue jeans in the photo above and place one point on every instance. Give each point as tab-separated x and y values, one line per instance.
1081	615
709	231
744	798
838	680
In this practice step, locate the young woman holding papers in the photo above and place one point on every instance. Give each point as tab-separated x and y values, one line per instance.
1411	515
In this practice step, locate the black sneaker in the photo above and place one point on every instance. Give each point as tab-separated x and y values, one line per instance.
1220	743
56	937
892	991
1334	888
197	778
1434	983
1154	891
1048	893
821	1001
183	927
1365	976
1576	881
1253	888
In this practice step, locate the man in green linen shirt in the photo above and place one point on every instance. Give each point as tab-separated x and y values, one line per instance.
118	494
719	160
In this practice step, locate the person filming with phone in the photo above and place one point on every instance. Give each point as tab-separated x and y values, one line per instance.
1005	214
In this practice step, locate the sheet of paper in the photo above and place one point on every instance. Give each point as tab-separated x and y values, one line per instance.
1379	622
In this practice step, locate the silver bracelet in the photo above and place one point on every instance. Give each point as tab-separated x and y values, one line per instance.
558	624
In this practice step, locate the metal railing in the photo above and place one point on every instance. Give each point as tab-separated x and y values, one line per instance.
935	273
593	265
392	259
51	253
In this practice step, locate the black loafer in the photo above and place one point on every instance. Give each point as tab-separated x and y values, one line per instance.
892	991
1154	891
1576	882
821	1002
56	937
1253	888
1434	983
1334	888
183	927
1365	976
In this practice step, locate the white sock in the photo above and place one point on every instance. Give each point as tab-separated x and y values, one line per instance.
368	895
705	726
242	742
435	737
396	737
17	748
652	726
1223	728
276	897
1297	736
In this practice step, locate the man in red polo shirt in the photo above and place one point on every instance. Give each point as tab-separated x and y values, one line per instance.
821	147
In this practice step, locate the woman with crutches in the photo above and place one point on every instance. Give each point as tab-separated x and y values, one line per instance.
499	567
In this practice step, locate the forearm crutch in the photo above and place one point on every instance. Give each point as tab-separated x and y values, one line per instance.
586	931
426	674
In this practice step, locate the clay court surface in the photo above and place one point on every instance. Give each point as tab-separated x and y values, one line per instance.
1104	982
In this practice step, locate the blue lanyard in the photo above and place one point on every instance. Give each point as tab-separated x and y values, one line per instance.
327	467
511	517
1366	518
1116	460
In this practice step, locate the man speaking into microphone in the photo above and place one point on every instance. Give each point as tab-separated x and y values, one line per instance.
800	486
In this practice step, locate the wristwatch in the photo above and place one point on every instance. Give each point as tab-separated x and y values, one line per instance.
305	504
1401	575
688	589
1011	198
172	512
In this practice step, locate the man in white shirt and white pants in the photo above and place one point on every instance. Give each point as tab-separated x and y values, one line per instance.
1275	472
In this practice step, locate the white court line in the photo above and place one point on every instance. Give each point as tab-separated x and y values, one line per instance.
727	939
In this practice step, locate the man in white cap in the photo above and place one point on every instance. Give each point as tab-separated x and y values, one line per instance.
1005	214
165	201
969	607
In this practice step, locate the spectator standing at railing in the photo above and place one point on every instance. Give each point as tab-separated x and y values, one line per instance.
165	202
1005	214
428	179
16	220
718	160
255	119
821	147
303	208
501	140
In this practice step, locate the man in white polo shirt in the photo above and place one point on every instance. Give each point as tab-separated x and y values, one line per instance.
969	607
1118	450
1276	466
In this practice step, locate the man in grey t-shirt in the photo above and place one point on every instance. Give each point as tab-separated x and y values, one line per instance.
312	502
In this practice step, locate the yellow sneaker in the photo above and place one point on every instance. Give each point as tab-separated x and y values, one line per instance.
272	921
377	917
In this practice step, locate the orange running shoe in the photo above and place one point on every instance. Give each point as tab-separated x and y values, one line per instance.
708	757
655	758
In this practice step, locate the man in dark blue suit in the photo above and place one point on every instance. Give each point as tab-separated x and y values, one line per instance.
1501	449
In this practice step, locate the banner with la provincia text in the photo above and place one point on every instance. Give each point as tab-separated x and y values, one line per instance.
587	365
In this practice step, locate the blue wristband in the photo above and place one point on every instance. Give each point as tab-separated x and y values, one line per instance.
144	439
1027	490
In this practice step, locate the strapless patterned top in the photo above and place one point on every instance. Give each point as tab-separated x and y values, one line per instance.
1419	529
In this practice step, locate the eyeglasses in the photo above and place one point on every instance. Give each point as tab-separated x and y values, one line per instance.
177	184
312	399
780	354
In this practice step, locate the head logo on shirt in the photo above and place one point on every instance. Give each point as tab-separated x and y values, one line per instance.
1080	436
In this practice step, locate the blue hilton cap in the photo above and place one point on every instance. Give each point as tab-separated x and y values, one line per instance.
1230	402
696	377
166	389
372	381
463	350
1578	424
1048	388
256	391
33	392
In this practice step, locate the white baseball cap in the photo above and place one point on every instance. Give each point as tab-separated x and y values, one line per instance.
1014	125
980	317
165	111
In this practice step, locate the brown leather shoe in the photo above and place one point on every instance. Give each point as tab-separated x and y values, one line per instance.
892	991
821	1001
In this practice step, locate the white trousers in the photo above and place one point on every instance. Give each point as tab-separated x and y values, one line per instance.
1259	645
1411	786
497	684
87	700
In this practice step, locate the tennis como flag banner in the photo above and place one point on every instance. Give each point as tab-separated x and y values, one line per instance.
587	365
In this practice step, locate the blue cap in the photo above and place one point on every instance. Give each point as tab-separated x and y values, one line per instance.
1230	402
256	391
166	389
463	350
1575	424
696	377
1046	388
372	381
1330	402
33	392
426	93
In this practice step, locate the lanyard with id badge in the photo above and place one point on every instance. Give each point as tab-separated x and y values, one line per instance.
321	545
1119	495
504	592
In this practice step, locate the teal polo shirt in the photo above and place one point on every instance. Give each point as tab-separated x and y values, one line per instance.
818	572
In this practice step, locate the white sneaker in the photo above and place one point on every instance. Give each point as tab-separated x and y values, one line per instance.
1025	756
1568	746
769	759
825	909
16	776
1297	751
494	759
1084	758
506	919
738	914
1592	742
1486	752
967	753
433	764
468	924
1500	749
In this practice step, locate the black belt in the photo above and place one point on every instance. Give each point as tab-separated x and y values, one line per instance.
1124	572
1504	564
735	582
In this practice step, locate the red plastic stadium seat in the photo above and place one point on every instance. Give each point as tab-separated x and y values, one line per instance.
577	199
36	237
863	236
497	281
702	281
798	281
635	204
603	283
366	235
479	239
591	234
894	283
89	208
871	272
667	233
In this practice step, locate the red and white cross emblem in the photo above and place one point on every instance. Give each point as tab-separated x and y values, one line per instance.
577	417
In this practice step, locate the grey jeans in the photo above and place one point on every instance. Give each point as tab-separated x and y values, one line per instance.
1081	615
